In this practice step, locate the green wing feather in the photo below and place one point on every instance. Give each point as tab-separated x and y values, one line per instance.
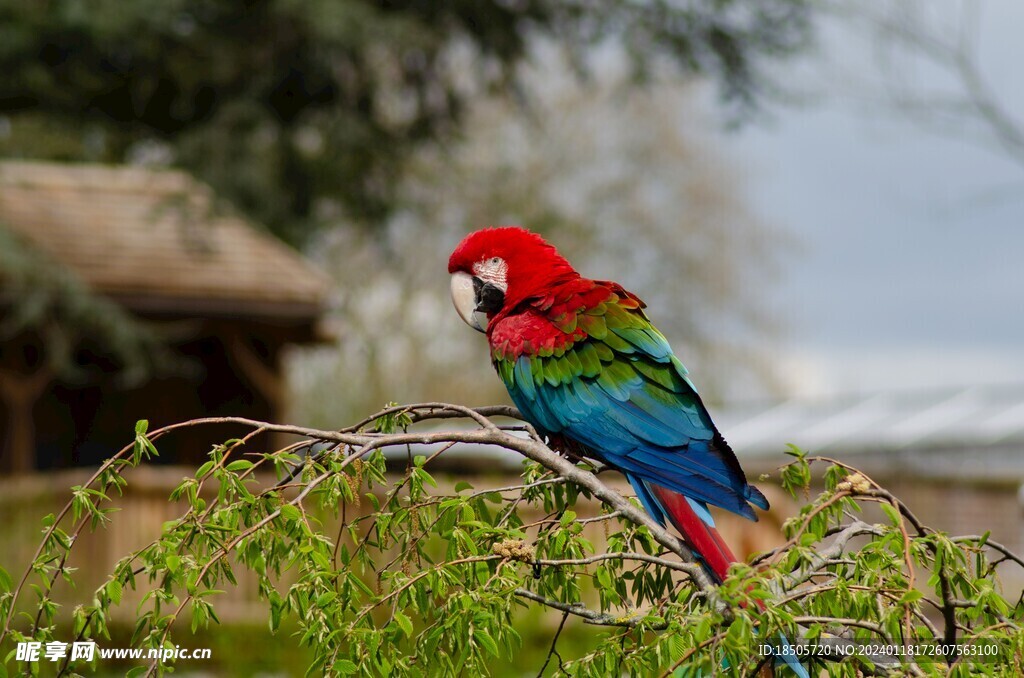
621	392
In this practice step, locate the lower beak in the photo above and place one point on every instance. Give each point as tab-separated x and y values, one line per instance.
464	299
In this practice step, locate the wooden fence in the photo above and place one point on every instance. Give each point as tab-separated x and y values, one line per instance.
26	499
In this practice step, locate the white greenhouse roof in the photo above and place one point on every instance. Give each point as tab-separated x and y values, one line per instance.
968	433
974	416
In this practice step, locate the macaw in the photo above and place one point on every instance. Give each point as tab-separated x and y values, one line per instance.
583	363
581	360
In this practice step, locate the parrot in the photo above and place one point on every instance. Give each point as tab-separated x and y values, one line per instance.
583	364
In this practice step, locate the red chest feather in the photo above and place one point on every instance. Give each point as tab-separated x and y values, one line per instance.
549	325
531	334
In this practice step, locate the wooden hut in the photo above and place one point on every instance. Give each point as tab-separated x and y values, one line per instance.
224	298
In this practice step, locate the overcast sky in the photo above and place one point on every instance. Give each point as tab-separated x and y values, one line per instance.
912	271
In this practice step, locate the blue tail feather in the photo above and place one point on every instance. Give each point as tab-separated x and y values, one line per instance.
790	659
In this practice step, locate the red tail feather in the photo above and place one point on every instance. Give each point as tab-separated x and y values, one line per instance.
700	536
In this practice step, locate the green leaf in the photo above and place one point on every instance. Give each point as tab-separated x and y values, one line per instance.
794	451
240	465
738	633
114	591
604	578
141	426
173	562
462	485
892	512
208	592
5	580
486	641
911	596
424	477
275	616
199	617
345	667
290	513
204	469
404	623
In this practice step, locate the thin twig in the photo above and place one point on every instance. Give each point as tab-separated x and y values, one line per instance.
552	651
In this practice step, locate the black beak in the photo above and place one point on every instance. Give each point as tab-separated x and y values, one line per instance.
475	300
489	299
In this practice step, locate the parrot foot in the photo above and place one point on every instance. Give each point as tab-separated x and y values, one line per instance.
570	449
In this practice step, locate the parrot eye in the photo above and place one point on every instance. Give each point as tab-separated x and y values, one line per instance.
494	271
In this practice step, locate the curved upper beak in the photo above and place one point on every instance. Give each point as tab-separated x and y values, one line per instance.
464	296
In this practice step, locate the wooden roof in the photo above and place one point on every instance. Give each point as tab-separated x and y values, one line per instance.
156	241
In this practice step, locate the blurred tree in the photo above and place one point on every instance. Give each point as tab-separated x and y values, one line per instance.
53	303
931	73
622	180
301	111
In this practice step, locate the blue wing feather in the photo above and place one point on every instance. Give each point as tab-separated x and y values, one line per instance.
662	435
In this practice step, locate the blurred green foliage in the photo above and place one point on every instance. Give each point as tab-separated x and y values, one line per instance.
425	581
304	112
52	302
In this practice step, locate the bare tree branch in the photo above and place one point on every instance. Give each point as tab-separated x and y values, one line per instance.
582	611
909	32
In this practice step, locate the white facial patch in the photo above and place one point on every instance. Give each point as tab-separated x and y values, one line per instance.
493	271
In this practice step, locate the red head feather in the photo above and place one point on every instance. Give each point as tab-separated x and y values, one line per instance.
534	265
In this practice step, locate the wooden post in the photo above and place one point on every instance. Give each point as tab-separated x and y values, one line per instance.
266	379
19	393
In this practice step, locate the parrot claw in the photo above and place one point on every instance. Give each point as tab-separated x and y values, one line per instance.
570	449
